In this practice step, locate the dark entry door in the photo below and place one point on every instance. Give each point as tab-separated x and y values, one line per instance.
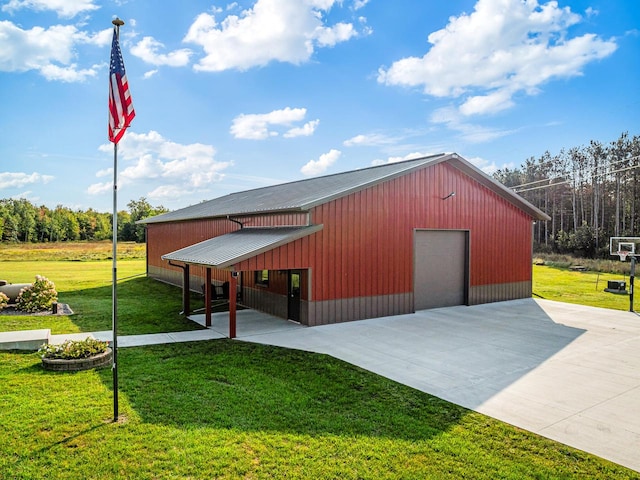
294	295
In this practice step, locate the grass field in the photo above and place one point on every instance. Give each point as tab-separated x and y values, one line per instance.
144	305
72	251
584	288
227	409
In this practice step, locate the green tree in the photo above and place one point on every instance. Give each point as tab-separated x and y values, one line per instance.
69	223
140	209
583	241
25	214
103	229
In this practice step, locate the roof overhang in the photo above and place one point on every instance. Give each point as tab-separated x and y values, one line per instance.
227	250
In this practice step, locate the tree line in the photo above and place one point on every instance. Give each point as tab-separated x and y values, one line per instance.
590	192
22	221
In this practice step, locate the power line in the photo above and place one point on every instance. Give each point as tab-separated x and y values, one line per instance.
517	188
565	182
536	181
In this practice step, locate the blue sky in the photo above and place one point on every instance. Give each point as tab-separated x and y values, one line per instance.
239	95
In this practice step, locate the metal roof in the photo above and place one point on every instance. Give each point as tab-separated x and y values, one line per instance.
227	250
303	195
300	195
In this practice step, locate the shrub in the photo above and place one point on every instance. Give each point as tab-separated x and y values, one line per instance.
37	297
74	349
4	300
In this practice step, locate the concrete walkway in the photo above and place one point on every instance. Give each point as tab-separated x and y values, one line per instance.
567	372
125	341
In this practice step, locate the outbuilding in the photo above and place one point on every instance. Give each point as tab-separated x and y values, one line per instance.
386	240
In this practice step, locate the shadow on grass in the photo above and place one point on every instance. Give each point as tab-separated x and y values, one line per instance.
144	306
68	440
250	387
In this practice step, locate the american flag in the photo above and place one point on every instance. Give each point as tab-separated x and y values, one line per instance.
121	110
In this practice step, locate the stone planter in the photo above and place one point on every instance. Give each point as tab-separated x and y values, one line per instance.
75	365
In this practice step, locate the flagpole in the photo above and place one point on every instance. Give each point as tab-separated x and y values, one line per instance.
114	283
114	279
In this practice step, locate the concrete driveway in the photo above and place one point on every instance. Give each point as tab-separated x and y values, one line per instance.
567	372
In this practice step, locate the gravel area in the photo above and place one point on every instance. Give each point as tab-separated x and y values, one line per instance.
63	309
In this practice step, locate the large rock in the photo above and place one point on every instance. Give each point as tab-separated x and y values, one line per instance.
12	290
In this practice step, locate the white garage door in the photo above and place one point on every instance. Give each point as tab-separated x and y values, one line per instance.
440	268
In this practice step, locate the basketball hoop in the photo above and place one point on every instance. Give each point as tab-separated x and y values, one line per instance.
623	255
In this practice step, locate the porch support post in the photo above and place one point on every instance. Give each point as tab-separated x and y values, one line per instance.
186	294
233	295
207	298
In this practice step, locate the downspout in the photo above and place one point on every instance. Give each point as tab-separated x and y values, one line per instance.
146	248
236	221
186	299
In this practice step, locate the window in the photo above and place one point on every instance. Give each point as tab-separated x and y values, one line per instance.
262	278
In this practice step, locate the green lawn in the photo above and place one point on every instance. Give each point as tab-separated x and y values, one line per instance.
227	409
584	288
144	305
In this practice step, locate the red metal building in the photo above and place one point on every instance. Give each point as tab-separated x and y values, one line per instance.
385	240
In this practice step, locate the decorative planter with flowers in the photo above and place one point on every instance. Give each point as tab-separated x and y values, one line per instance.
76	355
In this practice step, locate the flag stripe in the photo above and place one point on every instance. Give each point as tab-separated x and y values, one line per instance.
121	111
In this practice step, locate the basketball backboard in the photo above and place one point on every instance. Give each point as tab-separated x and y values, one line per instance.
624	247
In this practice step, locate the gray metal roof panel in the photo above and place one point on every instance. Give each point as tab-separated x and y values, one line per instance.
227	250
303	195
299	195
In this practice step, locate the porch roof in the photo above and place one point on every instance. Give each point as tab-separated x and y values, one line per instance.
226	250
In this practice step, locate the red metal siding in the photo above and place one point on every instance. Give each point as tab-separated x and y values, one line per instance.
366	246
163	238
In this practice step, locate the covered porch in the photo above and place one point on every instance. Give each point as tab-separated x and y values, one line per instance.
249	323
226	253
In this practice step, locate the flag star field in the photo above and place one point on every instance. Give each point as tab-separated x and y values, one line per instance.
231	96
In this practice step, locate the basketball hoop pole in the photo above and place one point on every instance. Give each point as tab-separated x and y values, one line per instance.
626	247
632	275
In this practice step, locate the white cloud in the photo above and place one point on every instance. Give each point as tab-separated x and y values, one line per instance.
486	166
49	51
358	4
64	8
20	179
329	36
257	126
68	74
99	188
150	73
490	103
469	132
147	50
409	156
503	48
273	30
305	131
316	167
369	140
366	30
152	158
166	192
